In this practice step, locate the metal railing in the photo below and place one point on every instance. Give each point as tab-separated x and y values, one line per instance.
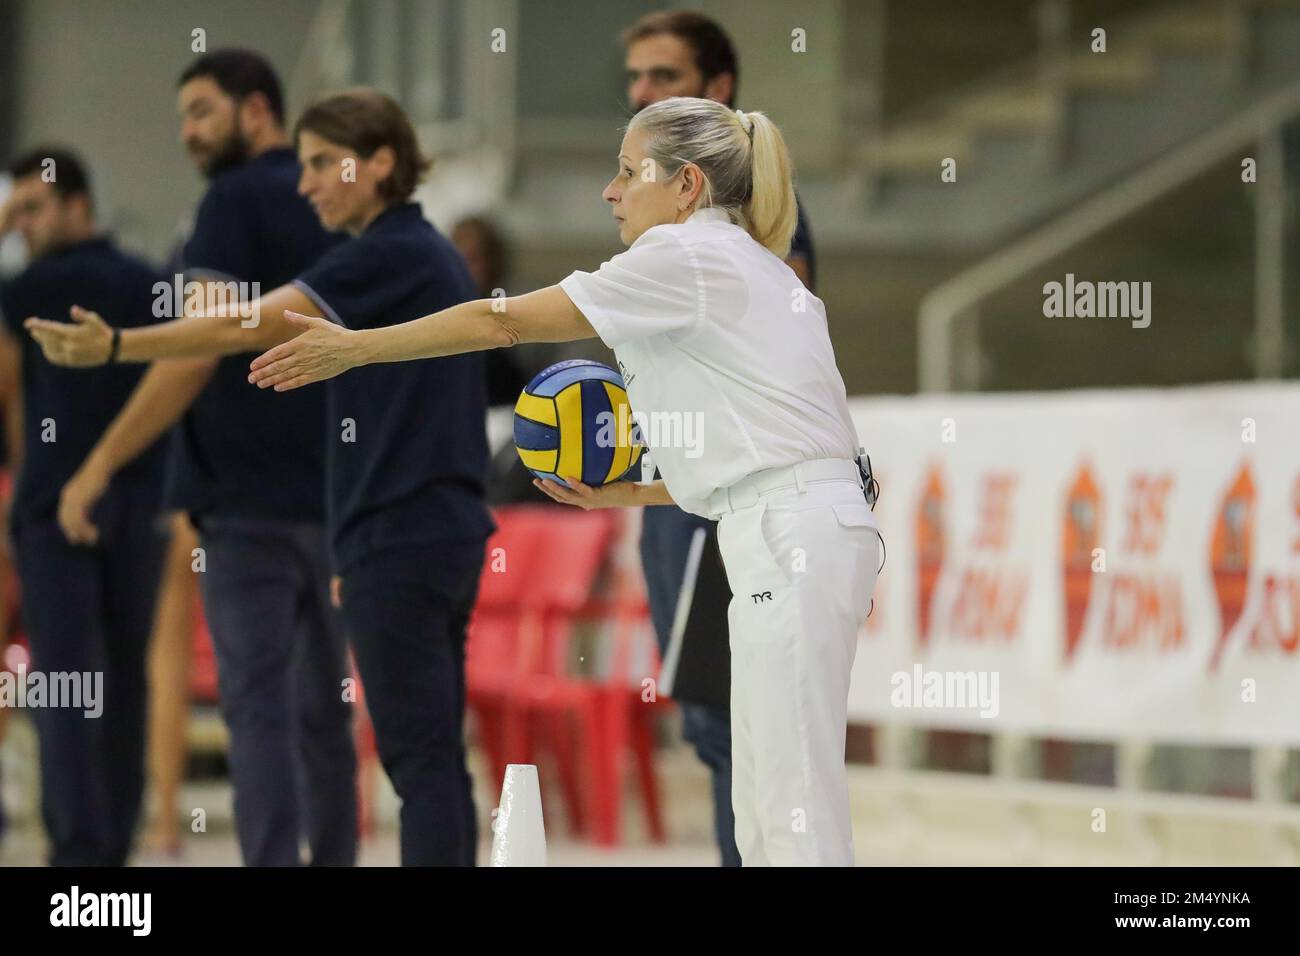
958	298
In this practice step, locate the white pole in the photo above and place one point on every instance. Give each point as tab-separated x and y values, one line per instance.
1270	237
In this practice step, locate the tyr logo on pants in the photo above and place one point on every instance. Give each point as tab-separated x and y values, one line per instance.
763	596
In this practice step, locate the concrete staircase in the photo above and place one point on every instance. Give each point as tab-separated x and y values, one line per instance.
1040	136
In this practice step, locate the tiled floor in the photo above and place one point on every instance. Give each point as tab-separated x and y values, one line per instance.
944	819
25	848
686	806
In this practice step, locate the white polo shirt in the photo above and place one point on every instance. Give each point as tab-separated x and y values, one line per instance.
725	354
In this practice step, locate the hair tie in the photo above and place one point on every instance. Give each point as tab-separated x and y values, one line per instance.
747	124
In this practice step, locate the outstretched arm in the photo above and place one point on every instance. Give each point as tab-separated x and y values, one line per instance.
324	350
227	328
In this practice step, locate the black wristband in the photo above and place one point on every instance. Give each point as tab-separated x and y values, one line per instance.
117	344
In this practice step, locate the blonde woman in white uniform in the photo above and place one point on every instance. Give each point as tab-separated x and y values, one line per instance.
708	321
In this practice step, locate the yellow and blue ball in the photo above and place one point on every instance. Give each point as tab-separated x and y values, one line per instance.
574	419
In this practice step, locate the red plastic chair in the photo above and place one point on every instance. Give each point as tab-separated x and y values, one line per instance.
507	599
525	687
203	661
507	632
590	723
629	717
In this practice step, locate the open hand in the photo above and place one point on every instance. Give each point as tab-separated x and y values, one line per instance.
82	343
322	351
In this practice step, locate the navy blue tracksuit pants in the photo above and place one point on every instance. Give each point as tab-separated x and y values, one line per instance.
90	609
406	612
281	664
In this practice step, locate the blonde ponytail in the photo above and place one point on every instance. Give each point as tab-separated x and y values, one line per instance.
771	211
746	167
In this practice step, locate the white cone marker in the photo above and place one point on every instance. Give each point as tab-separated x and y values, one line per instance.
519	836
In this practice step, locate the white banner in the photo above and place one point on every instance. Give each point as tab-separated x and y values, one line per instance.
1088	565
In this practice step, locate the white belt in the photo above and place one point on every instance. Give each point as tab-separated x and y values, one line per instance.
746	492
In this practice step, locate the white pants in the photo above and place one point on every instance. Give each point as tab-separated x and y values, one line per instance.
802	567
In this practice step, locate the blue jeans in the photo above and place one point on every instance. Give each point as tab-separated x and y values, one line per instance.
666	536
281	663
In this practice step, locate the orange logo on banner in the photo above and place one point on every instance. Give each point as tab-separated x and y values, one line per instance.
1230	554
1141	604
990	593
1081	534
930	546
1144	605
995	511
1274	625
